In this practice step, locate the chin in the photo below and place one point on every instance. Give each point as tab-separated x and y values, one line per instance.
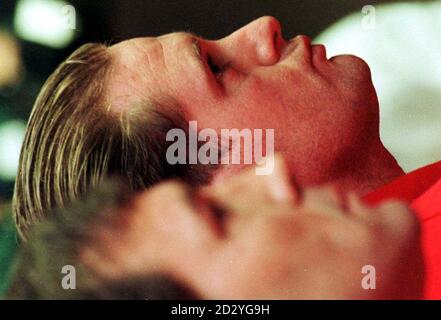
353	64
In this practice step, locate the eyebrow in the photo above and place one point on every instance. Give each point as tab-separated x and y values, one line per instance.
196	46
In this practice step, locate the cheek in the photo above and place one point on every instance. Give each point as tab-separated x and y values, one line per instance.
258	261
263	102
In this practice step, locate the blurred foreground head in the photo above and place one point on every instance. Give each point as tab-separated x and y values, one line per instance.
174	241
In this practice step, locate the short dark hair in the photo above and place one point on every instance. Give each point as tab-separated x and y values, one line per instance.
56	241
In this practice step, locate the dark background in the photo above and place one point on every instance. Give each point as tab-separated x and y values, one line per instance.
116	20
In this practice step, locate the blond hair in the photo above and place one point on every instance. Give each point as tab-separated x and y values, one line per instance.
73	141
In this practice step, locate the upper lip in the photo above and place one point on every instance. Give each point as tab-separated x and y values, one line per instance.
294	43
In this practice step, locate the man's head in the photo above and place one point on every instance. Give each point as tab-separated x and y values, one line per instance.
324	112
178	242
107	110
74	140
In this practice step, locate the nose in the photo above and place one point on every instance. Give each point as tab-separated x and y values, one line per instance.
256	44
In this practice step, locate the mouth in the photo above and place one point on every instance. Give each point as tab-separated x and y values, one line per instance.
319	51
315	54
292	45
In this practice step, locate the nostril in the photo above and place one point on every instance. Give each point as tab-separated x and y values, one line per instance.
278	40
271	26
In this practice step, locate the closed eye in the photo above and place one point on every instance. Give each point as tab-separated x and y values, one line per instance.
206	59
215	69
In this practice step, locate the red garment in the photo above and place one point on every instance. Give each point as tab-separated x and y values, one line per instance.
422	190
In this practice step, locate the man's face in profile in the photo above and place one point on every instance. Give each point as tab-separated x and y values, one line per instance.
269	243
323	111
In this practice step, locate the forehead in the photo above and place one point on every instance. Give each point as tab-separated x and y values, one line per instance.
131	55
153	46
141	67
123	78
126	49
132	64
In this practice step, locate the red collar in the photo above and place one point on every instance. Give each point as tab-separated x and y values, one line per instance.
408	187
421	189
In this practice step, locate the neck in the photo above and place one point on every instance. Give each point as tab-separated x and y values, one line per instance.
361	174
368	172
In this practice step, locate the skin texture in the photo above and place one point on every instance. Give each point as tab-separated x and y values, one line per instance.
305	244
324	111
